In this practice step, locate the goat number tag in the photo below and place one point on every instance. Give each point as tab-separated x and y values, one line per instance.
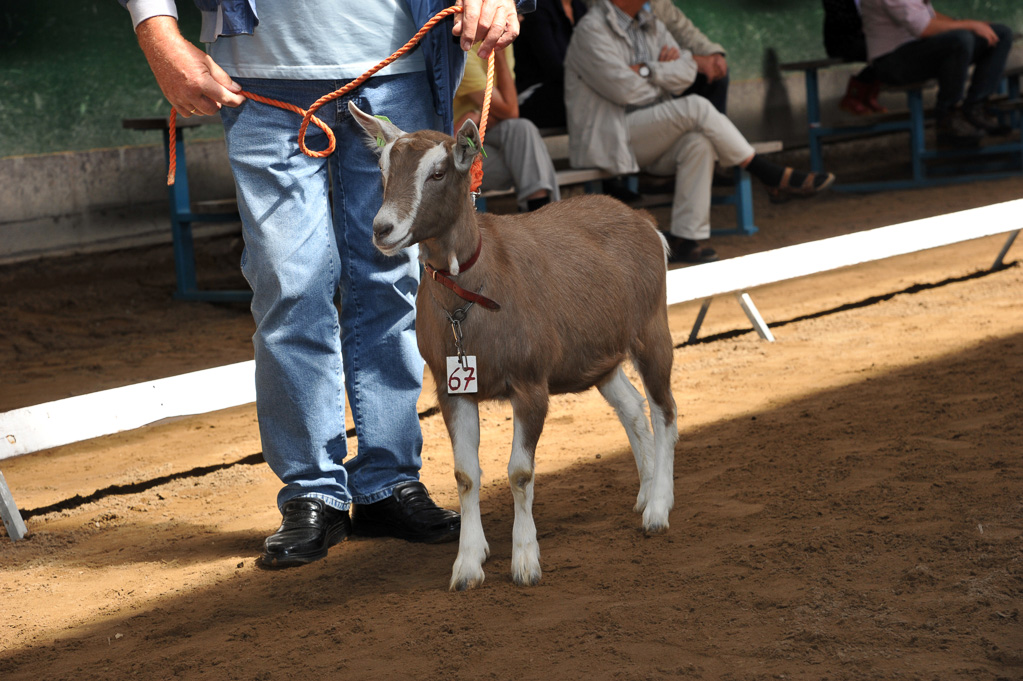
462	375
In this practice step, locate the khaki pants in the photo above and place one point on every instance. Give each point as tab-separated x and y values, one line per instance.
517	157
683	137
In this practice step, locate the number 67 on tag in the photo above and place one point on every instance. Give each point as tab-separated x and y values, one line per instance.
462	377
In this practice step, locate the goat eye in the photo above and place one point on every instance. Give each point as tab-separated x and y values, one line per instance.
437	175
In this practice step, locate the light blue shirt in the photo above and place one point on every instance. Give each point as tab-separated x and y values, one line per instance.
319	40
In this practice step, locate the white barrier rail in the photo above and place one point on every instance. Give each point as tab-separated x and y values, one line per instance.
31	429
737	275
111	411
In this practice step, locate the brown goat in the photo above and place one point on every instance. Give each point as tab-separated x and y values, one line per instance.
580	286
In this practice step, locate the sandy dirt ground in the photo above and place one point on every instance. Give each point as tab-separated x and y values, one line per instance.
849	499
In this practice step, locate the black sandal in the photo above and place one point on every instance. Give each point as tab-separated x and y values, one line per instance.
811	186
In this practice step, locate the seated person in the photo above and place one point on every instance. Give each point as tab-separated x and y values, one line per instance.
908	41
844	39
712	66
515	153
539	58
623	75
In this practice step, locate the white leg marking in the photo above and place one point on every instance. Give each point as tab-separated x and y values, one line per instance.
662	492
473	550
628	404
525	549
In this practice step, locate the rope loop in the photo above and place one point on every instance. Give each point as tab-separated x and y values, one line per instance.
308	114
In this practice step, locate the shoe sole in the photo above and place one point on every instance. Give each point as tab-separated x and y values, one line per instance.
296	559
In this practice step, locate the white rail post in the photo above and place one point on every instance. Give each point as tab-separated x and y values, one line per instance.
1005	249
9	510
754	316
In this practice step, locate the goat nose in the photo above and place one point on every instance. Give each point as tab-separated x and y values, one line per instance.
381	228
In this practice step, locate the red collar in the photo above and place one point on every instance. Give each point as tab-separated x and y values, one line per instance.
443	277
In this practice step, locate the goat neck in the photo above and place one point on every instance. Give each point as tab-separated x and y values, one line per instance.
457	245
461	266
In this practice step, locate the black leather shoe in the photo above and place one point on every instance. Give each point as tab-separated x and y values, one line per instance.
308	529
977	116
955	132
409	514
689	251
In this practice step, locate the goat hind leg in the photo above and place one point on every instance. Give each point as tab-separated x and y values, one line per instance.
628	405
664	418
530	408
654	361
462	417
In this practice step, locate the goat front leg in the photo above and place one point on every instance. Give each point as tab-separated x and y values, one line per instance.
462	417
530	409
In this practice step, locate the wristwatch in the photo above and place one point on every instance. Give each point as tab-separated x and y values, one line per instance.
644	70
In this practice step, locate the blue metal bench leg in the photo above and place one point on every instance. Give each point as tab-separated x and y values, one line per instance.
181	227
813	120
744	202
9	511
916	134
481	204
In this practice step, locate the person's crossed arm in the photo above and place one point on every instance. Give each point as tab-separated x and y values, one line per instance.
942	23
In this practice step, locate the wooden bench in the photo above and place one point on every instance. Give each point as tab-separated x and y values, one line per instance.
987	162
183	214
740	196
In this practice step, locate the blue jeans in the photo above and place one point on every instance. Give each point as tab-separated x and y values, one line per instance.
307	225
947	56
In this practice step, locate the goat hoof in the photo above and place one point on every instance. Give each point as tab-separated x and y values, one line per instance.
655	523
464	582
652	530
527	578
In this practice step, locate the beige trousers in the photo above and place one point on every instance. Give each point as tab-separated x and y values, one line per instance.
683	137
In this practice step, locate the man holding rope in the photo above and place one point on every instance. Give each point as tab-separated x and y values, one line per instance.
307	225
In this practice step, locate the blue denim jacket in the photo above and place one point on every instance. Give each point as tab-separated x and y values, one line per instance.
239	15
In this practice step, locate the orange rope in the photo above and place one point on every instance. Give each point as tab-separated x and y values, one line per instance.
307	115
477	165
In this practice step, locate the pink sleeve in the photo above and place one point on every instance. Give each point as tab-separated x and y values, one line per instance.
913	15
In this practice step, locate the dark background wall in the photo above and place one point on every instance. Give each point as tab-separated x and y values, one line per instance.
70	70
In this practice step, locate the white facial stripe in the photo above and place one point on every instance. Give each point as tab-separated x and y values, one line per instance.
403	222
385	159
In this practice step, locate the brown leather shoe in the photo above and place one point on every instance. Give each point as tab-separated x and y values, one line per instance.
409	514
309	527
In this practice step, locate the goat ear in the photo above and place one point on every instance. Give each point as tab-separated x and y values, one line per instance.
379	129
467	145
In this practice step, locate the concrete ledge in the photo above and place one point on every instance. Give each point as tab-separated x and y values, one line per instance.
100	199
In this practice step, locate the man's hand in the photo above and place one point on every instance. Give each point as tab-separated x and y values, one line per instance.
668	54
191	81
984	30
942	23
494	22
713	66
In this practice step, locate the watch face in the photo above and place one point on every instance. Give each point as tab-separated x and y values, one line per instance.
644	71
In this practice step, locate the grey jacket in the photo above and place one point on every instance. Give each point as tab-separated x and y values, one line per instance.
600	88
682	30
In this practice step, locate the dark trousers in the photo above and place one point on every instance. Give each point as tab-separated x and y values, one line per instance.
716	92
947	57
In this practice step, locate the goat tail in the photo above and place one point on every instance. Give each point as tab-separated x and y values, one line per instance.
664	240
